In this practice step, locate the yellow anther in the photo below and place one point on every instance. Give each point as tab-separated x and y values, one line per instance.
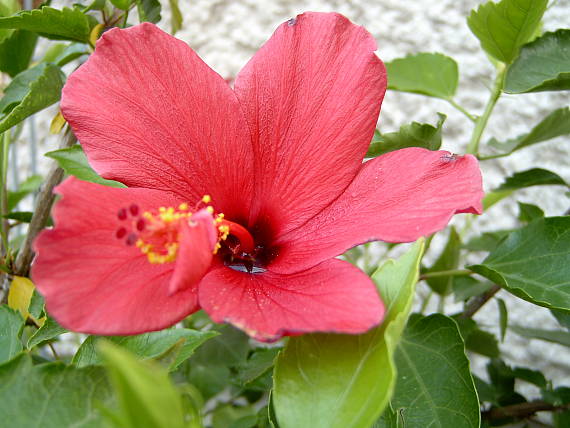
210	209
206	199
183	207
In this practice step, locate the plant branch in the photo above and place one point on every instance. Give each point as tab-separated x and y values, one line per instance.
469	116
477	303
41	213
452	272
522	410
481	122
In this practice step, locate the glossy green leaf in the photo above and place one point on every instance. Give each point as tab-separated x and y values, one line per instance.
176	16
503	318
529	212
542	65
48	331
335	380
554	125
67	24
431	74
51	395
74	162
145	394
529	178
434	386
146	345
149	10
11	323
411	135
16	51
561	337
503	27
30	185
532	263
29	92
447	260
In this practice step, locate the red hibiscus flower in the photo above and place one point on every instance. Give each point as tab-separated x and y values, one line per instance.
280	157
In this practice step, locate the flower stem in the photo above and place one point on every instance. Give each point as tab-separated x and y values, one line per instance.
4	190
481	122
452	272
469	116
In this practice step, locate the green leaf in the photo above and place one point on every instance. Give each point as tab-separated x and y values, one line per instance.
502	28
51	395
144	346
542	65
563	318
503	318
176	18
554	125
48	331
434	387
448	260
335	380
529	178
121	4
210	368
30	185
465	287
29	92
74	162
16	51
21	216
431	74
529	212
149	10
258	363
71	52
146	396
561	337
67	24
11	323
487	241
477	340
412	135
532	263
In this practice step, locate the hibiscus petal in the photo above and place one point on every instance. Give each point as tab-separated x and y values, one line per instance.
312	95
150	113
396	197
331	297
93	282
197	241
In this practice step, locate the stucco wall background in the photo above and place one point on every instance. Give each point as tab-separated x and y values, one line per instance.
227	33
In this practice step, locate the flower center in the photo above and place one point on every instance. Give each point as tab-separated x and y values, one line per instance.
157	232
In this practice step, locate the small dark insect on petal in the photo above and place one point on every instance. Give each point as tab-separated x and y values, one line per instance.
292	22
449	157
